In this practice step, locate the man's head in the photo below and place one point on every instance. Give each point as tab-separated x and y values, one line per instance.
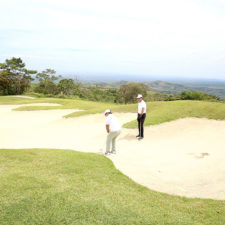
107	112
139	97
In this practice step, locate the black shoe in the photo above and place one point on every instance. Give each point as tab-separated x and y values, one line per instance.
137	136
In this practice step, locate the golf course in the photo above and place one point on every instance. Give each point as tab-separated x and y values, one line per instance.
53	171
112	112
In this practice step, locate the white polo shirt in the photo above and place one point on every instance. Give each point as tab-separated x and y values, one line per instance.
113	123
141	105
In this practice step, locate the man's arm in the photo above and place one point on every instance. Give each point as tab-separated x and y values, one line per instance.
107	128
142	111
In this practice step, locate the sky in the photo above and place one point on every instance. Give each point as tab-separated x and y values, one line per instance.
176	38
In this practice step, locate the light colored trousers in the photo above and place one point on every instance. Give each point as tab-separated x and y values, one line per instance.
111	139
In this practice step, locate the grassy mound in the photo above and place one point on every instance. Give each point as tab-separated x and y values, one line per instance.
157	112
160	112
68	187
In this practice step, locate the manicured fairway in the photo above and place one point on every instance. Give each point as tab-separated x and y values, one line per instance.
41	186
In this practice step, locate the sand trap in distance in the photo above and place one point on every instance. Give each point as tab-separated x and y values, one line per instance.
23	96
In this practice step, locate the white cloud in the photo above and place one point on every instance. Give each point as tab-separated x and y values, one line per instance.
157	36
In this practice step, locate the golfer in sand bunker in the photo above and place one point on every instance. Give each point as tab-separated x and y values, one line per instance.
113	129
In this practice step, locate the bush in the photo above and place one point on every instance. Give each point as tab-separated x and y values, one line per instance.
197	95
68	87
128	92
47	87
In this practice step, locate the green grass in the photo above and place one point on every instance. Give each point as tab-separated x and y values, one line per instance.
68	187
89	107
158	112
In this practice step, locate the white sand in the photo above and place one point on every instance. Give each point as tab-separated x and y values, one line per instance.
23	96
183	157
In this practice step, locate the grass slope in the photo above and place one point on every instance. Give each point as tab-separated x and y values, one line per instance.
68	187
89	107
158	112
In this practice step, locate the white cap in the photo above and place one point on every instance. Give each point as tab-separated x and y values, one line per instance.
107	111
139	96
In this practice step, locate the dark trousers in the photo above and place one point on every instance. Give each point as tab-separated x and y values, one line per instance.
141	120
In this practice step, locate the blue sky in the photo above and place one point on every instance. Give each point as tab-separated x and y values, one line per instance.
176	38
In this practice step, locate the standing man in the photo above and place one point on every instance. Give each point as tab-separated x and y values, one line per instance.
113	129
141	116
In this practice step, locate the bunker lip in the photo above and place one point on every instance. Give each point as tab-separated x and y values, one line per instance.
183	157
20	96
39	104
23	96
12	107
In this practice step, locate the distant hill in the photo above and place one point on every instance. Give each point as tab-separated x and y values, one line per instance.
212	88
166	87
217	89
114	84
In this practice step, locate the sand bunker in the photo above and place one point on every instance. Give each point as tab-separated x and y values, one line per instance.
48	129
23	96
183	157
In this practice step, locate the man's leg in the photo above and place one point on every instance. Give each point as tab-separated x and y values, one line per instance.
139	125
142	125
108	142
114	141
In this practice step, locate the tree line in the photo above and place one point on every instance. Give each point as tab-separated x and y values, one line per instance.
16	79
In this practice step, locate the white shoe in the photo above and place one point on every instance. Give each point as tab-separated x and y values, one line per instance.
113	152
106	154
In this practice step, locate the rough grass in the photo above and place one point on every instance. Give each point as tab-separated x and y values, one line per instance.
157	112
68	187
